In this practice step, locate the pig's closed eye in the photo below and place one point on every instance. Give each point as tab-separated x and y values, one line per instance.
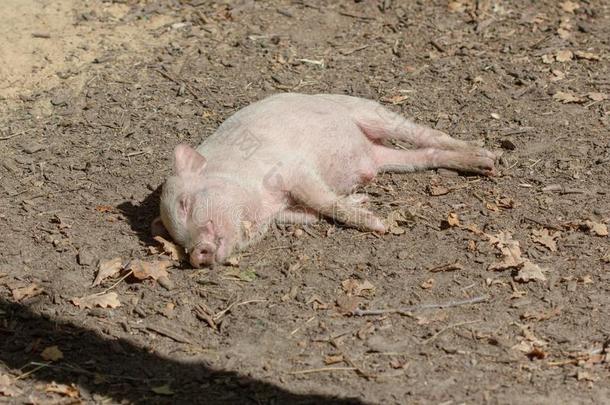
183	207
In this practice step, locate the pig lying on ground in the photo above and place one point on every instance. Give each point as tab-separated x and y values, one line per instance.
294	158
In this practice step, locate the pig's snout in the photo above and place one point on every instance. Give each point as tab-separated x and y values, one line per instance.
204	254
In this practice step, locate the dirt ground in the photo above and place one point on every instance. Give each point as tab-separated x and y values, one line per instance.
94	96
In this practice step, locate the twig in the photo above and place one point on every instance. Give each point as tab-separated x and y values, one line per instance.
362	17
222	313
437	334
6	138
406	310
39	367
447	267
543	224
299	328
322	370
87	372
129	273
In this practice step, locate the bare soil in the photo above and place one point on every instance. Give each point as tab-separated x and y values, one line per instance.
95	95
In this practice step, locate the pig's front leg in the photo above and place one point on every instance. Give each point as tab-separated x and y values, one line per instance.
312	192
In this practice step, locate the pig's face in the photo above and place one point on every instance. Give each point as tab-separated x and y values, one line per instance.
190	211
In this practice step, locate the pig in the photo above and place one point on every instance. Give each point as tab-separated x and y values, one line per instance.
295	158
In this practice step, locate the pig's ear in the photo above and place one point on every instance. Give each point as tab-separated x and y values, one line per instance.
158	229
188	161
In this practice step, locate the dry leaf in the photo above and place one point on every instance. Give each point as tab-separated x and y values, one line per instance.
545	238
530	272
567	97
108	300
564	55
143	270
557	75
354	287
597	96
333	359
586	55
7	387
163	390
174	251
597	228
21	293
511	252
347	304
394	220
456	6
105	208
585	375
66	390
396	99
437	190
563	33
426	285
52	353
492	207
569	6
548	59
453	220
108	268
541	315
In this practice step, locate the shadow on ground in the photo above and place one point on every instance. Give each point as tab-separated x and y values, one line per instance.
121	371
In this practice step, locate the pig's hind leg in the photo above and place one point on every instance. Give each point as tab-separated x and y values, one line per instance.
312	193
379	124
395	160
297	216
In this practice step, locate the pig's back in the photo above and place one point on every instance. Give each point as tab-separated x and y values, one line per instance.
290	130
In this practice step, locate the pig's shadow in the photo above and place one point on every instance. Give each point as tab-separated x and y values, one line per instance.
113	368
141	216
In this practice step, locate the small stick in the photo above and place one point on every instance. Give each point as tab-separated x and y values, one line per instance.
39	366
220	314
437	334
6	138
299	328
129	273
406	310
321	370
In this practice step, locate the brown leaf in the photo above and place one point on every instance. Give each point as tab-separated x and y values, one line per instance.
596	228
105	208
564	55
353	287
545	238
453	219
143	270
530	272
21	293
333	359
563	33
567	97
586	55
542	315
396	99
174	251
7	386
52	353
437	190
426	285
510	250
569	6
455	6
108	268
108	300
548	59
597	96
70	391
347	304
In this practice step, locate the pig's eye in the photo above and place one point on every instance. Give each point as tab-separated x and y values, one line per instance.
183	207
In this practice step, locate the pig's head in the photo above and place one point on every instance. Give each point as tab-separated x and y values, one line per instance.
196	211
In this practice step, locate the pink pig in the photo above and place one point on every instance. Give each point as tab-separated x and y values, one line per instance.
293	158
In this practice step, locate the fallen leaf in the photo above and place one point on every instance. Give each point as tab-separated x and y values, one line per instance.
510	250
545	238
353	287
456	6
347	304
453	219
597	228
564	55
437	190
7	386
585	375
108	300
426	285
174	251
492	207
333	359
548	58
597	96
530	272
396	99
563	33
52	353
586	55
569	6
105	208
70	391
108	268
144	270
567	97
506	203
397	218
557	75
247	275
21	293
542	315
163	390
